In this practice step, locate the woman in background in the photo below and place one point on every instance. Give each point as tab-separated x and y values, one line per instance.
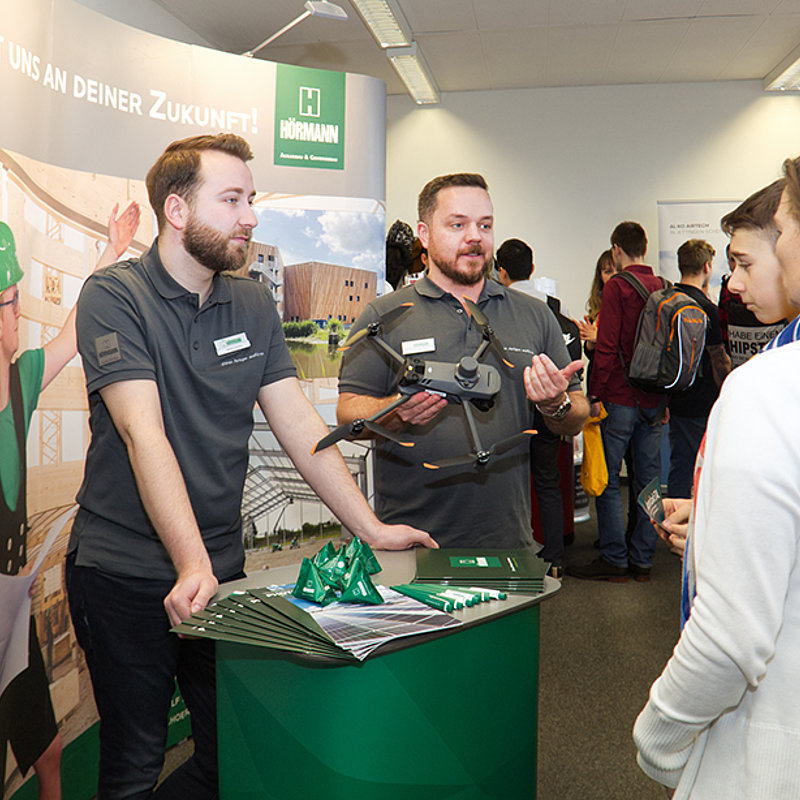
588	325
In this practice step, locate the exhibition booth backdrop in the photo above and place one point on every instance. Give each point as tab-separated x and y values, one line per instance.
89	104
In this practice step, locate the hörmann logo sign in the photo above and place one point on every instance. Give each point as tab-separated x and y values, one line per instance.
309	117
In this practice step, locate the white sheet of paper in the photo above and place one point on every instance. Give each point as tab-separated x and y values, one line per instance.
15	608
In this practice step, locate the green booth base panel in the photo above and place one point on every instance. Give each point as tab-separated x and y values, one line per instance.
81	758
454	718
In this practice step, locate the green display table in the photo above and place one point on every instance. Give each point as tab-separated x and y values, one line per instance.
429	718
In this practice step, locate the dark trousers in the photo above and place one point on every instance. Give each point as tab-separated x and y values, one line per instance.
133	661
685	435
546	484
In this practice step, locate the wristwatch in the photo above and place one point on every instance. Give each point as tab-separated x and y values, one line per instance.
560	412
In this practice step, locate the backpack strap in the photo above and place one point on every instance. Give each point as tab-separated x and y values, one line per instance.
637	284
644	293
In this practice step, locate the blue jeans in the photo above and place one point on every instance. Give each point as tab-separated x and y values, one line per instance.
625	425
133	661
685	435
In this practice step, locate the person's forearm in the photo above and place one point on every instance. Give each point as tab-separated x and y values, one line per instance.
298	428
135	408
62	348
362	406
166	500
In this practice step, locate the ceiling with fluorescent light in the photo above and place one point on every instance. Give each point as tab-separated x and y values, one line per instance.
514	44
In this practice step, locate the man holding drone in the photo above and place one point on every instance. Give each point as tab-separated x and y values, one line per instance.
459	468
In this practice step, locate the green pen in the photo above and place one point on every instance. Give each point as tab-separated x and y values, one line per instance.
440	603
441	593
492	594
467	596
438	588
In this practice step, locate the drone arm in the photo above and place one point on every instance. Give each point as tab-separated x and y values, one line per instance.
473	430
393	354
482	347
419	408
403	398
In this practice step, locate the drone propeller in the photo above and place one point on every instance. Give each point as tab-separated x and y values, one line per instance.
374	328
357	425
353	429
481	456
487	331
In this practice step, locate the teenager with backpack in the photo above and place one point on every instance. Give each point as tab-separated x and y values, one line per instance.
689	409
634	416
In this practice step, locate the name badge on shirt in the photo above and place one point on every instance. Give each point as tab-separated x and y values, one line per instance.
418	346
231	344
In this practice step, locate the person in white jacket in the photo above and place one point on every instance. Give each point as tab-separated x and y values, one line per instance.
723	719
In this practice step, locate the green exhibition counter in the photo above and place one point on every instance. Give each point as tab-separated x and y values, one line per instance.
430	717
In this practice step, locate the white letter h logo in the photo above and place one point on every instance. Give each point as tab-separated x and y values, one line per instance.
309	101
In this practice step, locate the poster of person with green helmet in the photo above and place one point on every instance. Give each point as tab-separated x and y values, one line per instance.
27	721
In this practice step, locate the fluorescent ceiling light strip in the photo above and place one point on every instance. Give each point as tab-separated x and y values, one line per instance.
788	80
786	76
413	71
385	21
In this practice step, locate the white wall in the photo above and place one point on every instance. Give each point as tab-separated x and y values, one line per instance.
565	165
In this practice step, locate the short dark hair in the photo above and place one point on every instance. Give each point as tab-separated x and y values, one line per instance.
631	239
426	202
693	255
757	212
177	170
516	258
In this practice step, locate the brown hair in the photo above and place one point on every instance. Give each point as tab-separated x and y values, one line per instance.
631	238
757	212
177	170
693	254
791	171
426	202
596	292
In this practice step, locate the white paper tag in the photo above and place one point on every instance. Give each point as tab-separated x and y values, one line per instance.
231	344
418	346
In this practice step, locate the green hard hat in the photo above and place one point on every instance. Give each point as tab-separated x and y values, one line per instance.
10	273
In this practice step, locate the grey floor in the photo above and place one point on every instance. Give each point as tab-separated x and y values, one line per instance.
602	645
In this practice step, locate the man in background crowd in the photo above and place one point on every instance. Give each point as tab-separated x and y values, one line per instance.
515	266
689	409
634	417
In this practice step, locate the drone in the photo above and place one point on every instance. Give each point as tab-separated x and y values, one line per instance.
468	382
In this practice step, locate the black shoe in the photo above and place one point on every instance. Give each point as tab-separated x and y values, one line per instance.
641	574
599	570
556	572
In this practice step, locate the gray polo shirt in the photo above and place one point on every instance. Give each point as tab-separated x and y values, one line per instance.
135	322
463	506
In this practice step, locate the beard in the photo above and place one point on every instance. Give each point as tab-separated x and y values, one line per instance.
461	276
213	249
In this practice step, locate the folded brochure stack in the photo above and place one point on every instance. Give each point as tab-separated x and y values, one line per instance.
519	570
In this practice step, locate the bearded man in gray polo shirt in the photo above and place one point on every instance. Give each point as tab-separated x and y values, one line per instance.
466	505
176	355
